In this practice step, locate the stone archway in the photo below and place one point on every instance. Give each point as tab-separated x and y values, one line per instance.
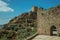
53	31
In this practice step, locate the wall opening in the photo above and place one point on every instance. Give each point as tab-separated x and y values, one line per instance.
53	31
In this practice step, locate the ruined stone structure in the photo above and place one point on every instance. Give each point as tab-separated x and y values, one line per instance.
34	9
49	21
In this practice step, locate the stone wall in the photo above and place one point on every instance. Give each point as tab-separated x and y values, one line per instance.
48	18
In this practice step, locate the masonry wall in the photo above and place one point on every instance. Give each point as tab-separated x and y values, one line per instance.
46	20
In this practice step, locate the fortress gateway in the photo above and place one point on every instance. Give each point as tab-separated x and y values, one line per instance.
49	21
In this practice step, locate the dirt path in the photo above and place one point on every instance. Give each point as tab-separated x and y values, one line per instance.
44	37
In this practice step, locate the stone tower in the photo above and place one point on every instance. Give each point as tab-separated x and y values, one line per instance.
34	9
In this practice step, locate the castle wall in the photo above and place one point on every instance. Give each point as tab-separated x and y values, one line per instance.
46	21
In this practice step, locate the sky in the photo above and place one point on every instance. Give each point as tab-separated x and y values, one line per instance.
11	8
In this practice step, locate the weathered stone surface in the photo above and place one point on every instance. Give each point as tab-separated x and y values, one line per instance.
47	19
45	37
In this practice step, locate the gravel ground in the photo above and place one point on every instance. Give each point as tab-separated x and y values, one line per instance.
44	37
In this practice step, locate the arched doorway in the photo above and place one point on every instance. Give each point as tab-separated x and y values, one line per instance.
53	31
